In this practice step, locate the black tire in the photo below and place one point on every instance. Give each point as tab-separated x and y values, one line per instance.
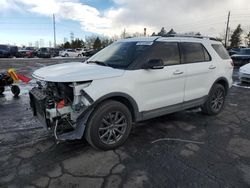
1	90
215	101
66	55
15	90
109	125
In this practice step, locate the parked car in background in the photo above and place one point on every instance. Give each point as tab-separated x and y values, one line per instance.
91	52
44	53
13	50
70	53
242	57
81	50
32	51
23	53
4	51
8	51
244	73
56	51
233	51
4	54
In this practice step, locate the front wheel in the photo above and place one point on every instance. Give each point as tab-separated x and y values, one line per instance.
215	101
109	125
15	90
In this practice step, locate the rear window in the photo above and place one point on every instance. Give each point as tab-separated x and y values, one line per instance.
194	52
221	51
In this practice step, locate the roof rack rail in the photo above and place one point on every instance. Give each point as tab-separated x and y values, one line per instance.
191	36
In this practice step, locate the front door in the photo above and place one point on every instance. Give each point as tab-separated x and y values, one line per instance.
159	88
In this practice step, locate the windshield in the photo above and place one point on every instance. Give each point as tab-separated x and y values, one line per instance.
120	54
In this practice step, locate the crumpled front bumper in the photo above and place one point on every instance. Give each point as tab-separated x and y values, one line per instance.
49	117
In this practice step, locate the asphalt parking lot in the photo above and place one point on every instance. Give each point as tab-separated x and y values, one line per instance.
195	150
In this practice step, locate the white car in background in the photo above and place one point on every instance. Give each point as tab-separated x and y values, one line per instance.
70	53
81	50
244	73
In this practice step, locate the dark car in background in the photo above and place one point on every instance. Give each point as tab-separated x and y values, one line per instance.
13	51
91	52
4	51
233	51
242	57
8	51
55	51
45	53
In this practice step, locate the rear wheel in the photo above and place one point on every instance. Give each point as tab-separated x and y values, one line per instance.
66	55
15	90
215	101
109	125
1	90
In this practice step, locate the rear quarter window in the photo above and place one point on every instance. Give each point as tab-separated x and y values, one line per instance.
221	51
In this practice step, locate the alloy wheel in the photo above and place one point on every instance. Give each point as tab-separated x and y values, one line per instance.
217	100
113	127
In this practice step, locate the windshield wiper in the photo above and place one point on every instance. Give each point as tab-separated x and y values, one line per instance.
98	63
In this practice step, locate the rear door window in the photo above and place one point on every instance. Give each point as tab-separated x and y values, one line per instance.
194	52
221	51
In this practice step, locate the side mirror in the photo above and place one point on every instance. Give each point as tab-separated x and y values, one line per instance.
154	64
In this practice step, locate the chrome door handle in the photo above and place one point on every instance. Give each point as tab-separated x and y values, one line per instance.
177	72
212	67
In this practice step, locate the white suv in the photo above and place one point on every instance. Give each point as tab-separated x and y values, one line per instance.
129	81
70	53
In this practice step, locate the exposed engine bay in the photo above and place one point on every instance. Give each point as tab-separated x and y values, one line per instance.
60	106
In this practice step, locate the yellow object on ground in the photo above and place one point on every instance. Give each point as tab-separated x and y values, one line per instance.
13	75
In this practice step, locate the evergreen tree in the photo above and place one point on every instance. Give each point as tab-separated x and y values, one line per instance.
248	39
236	37
66	45
162	32
97	44
171	32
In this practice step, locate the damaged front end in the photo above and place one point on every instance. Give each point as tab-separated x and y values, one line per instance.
62	107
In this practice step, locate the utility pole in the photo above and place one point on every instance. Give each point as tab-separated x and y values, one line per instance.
54	26
228	20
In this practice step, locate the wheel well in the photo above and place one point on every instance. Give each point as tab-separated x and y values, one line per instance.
126	102
224	83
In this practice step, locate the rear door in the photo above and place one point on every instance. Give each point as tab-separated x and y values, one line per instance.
199	70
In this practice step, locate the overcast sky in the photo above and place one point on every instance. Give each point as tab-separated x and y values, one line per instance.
24	21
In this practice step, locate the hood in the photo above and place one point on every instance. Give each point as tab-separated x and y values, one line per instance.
75	72
246	67
240	56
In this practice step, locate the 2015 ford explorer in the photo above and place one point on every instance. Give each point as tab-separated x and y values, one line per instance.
129	81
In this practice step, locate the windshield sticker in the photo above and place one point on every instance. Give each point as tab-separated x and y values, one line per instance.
144	43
